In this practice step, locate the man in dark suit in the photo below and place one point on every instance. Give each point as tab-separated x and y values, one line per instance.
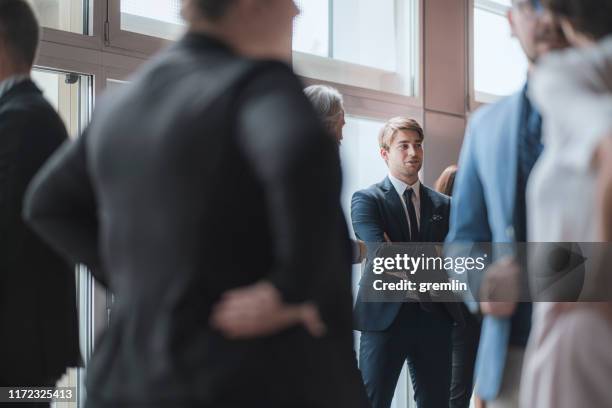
209	172
38	320
401	209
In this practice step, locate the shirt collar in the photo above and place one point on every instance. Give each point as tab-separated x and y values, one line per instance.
10	82
400	186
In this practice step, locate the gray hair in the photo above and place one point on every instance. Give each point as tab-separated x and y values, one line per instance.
328	104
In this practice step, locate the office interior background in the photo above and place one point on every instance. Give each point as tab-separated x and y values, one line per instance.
432	60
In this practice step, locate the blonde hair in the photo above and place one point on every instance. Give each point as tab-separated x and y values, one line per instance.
389	131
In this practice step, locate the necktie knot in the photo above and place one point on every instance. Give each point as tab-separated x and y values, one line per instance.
408	195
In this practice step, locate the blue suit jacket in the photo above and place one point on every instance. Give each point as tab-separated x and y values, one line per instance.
483	210
377	210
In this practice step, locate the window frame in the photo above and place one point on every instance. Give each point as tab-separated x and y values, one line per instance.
134	43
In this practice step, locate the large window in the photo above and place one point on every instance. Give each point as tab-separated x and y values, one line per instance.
370	44
500	67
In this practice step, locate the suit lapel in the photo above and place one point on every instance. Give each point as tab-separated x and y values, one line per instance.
396	209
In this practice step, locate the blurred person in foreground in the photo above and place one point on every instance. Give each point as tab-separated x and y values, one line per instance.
38	315
501	145
569	362
207	186
465	337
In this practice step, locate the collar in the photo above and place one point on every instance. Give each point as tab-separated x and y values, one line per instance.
401	187
12	81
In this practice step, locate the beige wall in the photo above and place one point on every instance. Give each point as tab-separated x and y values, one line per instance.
445	78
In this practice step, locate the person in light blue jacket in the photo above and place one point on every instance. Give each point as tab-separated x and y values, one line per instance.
501	145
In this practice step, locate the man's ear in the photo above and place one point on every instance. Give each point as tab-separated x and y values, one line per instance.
384	153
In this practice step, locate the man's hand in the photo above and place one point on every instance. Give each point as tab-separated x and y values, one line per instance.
500	289
258	310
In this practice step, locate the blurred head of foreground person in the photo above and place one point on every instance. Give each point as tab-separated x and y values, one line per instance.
584	22
38	319
207	187
253	28
536	30
19	34
329	105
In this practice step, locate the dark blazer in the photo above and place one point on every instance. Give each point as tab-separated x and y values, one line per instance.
38	320
208	172
378	210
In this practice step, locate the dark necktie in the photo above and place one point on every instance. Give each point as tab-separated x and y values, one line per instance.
530	148
414	226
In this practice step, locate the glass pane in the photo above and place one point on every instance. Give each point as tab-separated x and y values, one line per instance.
71	95
364	32
156	18
311	27
66	15
500	67
369	44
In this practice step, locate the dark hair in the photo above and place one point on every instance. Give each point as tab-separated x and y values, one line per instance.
213	9
19	30
590	17
446	181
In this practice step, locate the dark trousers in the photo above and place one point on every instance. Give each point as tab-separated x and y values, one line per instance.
421	338
465	345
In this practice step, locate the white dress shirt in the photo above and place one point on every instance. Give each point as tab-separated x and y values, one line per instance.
401	187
